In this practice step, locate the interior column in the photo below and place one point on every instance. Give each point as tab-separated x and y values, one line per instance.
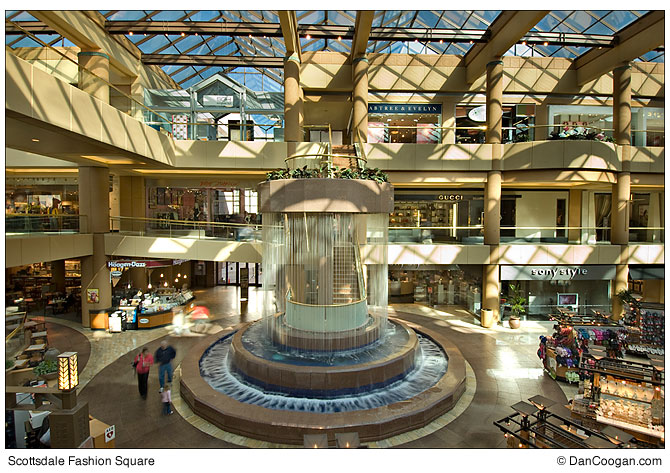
132	196
574	215
58	275
292	103
448	131
621	189
493	187
94	74
94	205
360	100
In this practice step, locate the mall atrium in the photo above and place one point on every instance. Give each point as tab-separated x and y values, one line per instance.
365	229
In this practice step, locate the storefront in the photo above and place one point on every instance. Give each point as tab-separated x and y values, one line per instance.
517	122
404	123
43	195
145	292
647	280
437	216
578	288
201	201
437	285
230	273
648	123
55	286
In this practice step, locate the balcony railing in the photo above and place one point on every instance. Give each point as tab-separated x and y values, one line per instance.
22	224
519	235
185	229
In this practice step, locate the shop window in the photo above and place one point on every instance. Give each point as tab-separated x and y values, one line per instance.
251	201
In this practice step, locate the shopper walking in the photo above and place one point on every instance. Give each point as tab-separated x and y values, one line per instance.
142	364
164	355
166	398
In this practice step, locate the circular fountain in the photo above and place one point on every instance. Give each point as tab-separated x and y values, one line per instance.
326	358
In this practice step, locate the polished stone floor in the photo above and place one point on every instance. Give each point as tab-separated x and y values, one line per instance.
505	369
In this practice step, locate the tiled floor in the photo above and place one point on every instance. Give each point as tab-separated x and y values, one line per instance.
502	361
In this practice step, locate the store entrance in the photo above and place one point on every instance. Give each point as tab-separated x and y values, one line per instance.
228	273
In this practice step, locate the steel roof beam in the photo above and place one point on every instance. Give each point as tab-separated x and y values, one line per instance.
289	30
207	60
638	38
507	29
362	28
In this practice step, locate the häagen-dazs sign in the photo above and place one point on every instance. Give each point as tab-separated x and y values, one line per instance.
557	273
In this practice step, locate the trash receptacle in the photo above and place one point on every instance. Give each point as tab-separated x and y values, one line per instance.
487	318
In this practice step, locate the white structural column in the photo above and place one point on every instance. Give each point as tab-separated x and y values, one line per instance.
621	189
360	99
94	205
493	188
94	74
293	103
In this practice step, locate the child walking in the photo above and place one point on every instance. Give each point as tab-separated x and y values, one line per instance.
166	397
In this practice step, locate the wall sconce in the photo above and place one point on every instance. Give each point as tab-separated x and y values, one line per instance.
68	374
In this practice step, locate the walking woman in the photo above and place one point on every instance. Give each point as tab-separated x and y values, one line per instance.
142	364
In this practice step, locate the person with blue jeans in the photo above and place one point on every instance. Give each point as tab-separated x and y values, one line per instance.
164	356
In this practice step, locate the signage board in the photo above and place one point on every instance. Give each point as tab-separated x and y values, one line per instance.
217	100
244	283
405	108
558	273
478	114
110	433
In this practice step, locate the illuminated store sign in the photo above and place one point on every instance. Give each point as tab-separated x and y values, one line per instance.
450	197
558	273
404	108
217	100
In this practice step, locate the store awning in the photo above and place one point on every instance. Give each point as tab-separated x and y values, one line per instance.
643	272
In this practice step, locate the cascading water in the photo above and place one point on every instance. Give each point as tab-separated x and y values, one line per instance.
216	369
325	344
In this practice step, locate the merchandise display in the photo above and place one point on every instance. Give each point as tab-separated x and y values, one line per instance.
646	327
622	393
133	312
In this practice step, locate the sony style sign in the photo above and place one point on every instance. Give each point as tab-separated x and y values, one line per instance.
558	273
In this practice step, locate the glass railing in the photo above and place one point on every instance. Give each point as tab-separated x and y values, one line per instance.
518	235
477	134
185	229
472	235
22	224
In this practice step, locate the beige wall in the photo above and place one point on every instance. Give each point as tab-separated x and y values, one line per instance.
432	73
35	249
537	209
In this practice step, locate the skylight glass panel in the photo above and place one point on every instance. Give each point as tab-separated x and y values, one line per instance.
575	23
455	19
126	15
599	28
204	15
169	15
153	44
310	17
621	18
550	21
479	20
23	16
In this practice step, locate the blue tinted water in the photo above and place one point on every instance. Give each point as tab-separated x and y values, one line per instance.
215	369
258	343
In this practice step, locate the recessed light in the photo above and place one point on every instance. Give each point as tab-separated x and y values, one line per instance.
35	140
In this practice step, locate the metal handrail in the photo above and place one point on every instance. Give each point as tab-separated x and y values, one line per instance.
48	46
187	222
320	155
327	305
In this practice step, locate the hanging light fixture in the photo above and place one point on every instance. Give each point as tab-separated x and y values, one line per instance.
165	284
68	374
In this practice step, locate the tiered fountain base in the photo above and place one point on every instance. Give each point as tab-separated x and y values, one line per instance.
276	377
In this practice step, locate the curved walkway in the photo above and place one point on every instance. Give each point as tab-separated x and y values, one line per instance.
503	361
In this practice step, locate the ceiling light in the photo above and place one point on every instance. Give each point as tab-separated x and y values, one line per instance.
183	34
339	38
130	33
35	140
523	42
471	42
308	37
546	43
441	41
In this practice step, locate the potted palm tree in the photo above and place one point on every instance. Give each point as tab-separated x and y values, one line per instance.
517	305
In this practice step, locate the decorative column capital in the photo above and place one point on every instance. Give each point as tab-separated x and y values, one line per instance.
359	59
293	57
494	63
623	67
93	53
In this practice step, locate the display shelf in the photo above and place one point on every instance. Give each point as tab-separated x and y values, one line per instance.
631	427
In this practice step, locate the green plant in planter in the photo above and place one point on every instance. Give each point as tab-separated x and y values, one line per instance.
516	301
348	173
9	364
277	174
46	367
